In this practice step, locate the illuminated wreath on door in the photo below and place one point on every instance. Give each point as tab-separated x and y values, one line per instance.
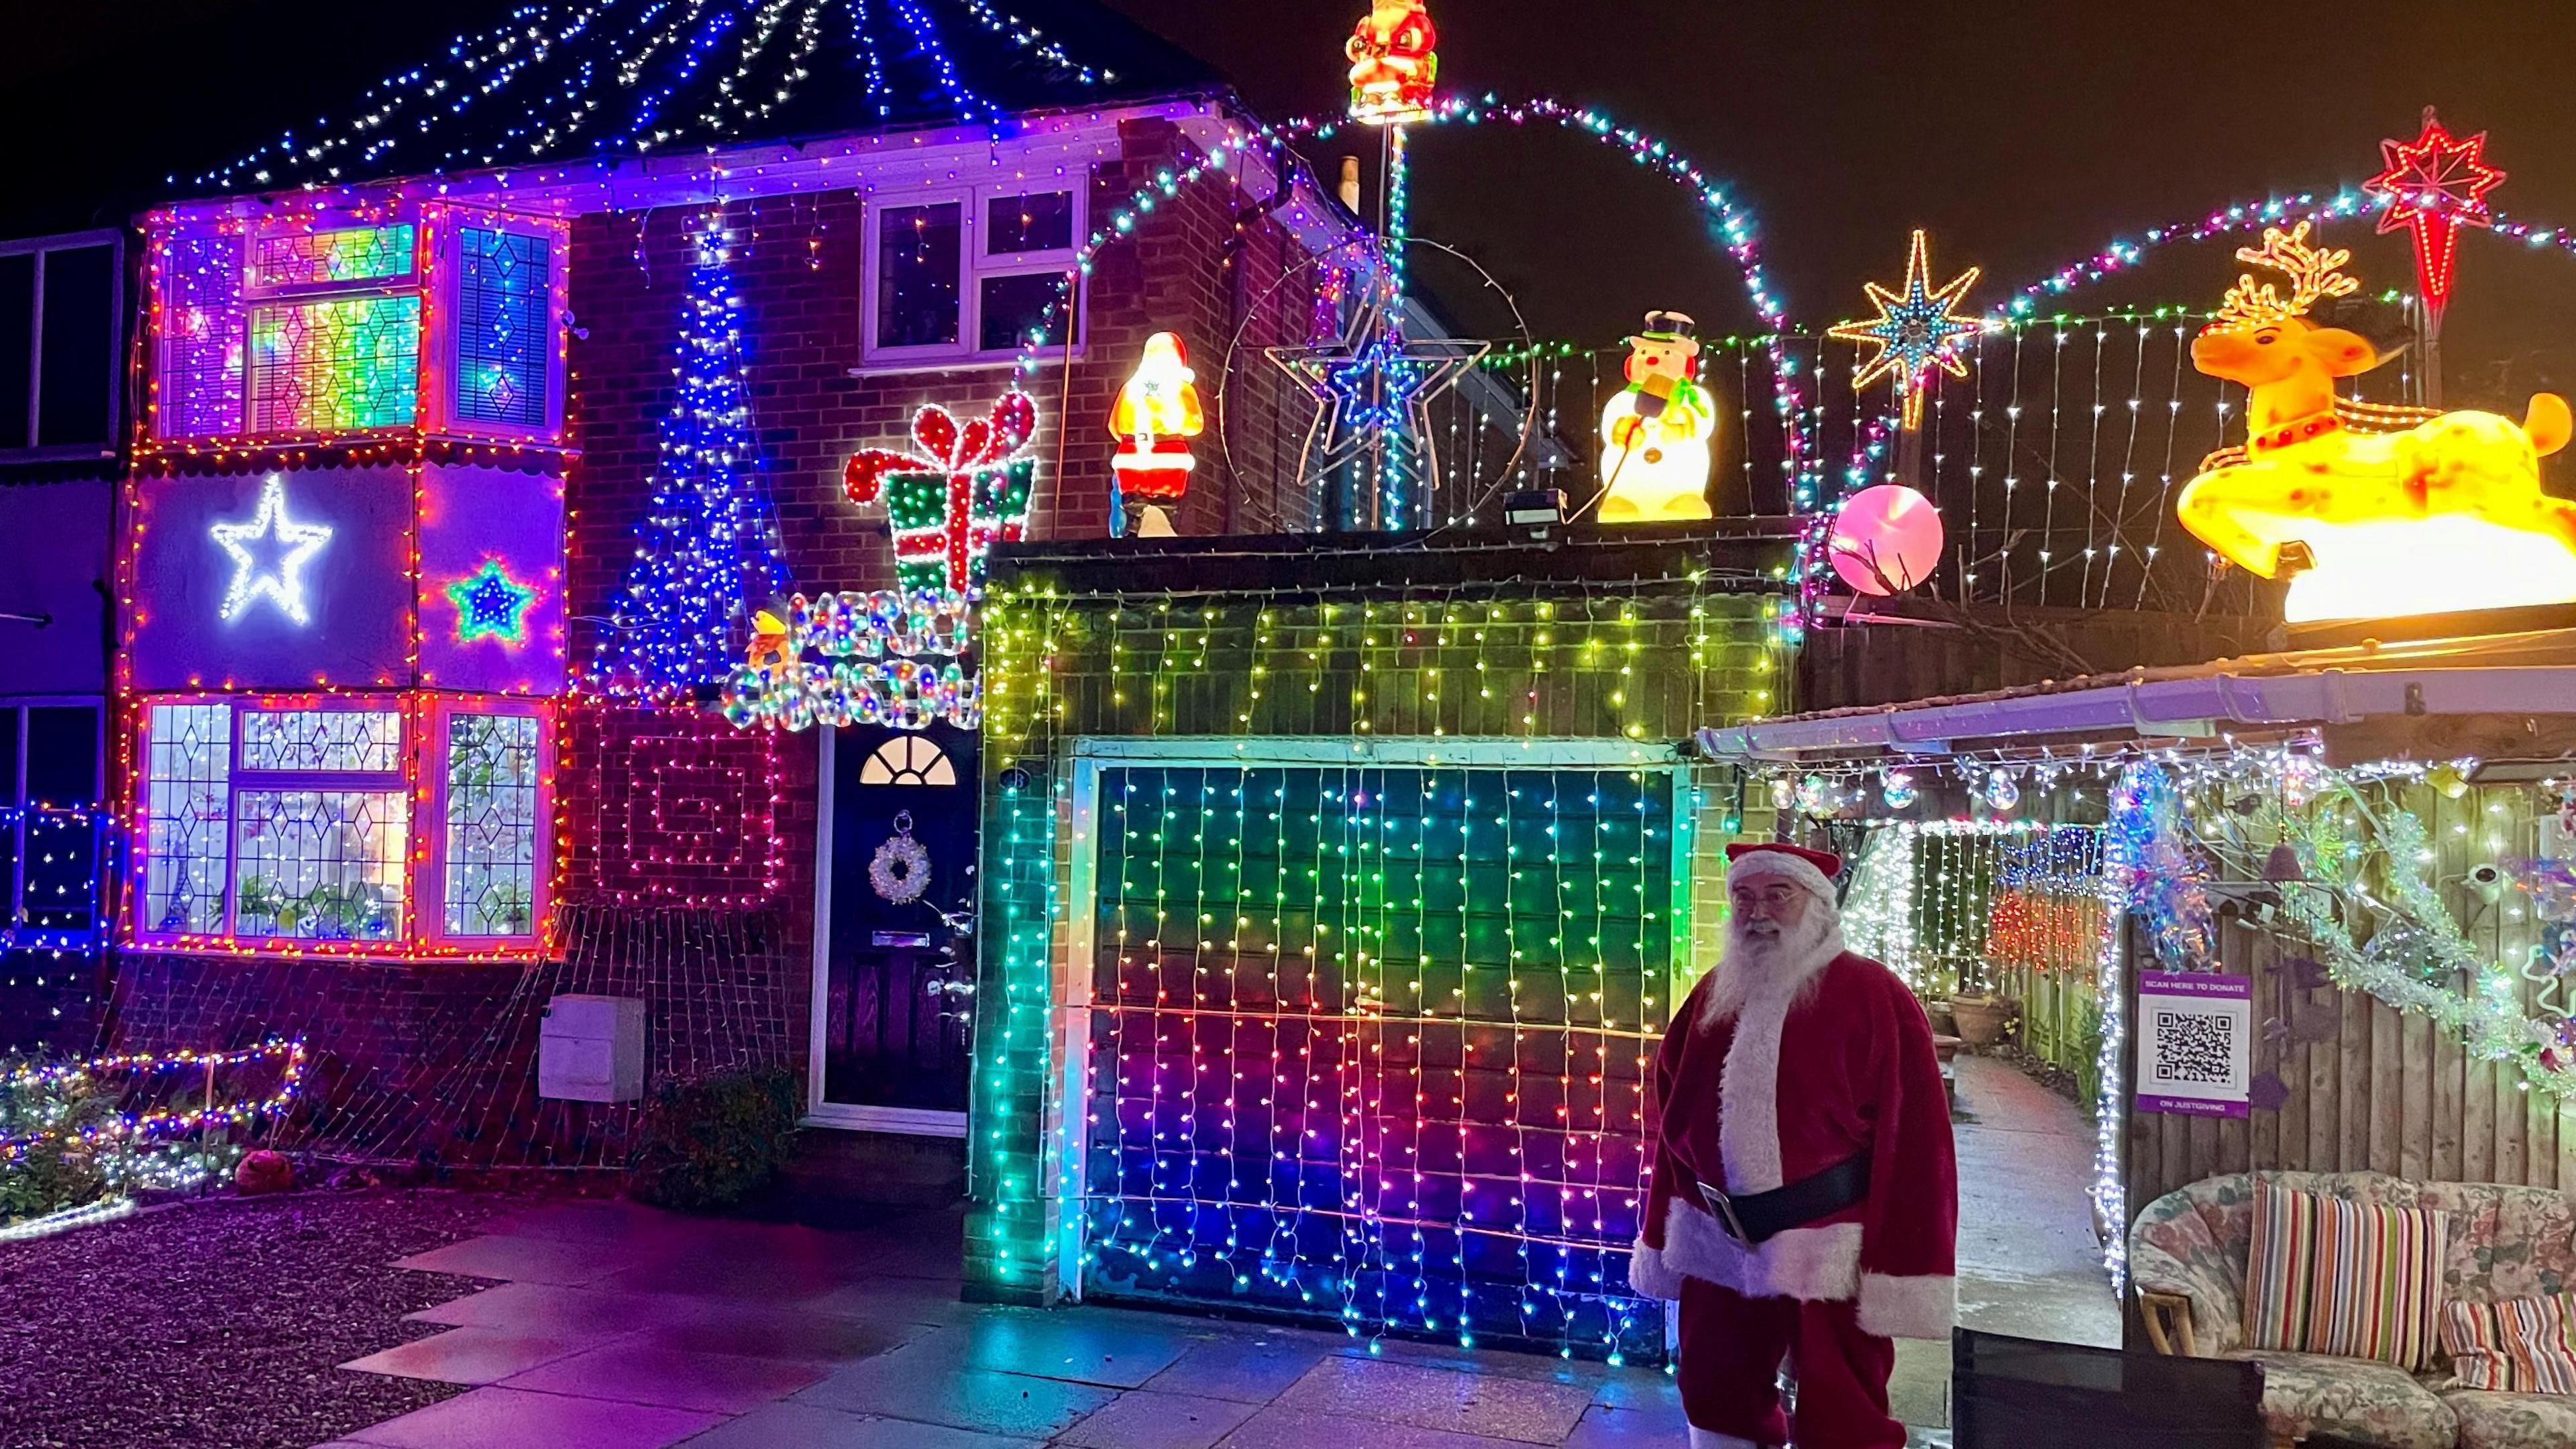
900	870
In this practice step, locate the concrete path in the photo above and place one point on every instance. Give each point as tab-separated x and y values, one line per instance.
2028	1262
614	1326
617	1327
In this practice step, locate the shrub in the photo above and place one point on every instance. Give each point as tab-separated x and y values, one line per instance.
709	1142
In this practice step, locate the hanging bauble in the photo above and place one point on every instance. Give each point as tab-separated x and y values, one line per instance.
1784	792
1896	790
2001	793
900	870
1815	796
1886	540
2282	865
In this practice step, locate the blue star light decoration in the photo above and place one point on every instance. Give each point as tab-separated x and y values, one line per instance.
1376	388
274	570
489	604
1913	333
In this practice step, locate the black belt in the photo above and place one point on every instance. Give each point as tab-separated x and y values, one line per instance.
1749	1218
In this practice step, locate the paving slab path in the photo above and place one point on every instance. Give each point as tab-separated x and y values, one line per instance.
613	1326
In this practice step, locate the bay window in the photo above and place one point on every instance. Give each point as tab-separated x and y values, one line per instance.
340	824
320	325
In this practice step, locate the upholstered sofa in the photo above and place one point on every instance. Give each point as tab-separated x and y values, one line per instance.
2187	1262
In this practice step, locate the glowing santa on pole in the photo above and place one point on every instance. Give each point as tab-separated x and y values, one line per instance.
1156	415
1805	1197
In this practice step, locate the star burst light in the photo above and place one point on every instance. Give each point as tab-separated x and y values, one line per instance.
489	602
2433	186
1376	391
293	544
1913	332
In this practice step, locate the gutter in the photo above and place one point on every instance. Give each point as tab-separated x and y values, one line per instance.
2199	707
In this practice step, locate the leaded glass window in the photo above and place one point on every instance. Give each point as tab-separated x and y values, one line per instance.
292	829
334	364
336	741
188	799
501	334
492	822
320	865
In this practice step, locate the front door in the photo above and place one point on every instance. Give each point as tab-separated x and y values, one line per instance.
894	970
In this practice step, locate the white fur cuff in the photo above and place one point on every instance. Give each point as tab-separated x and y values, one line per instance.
1924	1307
1649	1274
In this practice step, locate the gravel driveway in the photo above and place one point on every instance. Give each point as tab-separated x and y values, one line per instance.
217	1324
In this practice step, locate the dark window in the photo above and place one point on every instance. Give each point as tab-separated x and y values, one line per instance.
62	754
918	257
58	331
1038	222
50	827
78	385
1015	306
10	722
17	345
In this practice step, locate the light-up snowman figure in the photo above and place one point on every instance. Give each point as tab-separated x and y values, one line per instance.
1655	432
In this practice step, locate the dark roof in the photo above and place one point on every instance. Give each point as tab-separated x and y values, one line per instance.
324	102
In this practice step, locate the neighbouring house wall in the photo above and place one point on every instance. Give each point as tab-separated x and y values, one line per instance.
57	565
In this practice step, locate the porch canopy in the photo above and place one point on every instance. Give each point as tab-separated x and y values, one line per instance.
2502	699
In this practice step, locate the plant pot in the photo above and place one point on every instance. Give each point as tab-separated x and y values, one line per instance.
1942	1025
1981	1019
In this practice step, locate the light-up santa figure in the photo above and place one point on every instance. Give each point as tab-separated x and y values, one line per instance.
1392	63
1655	432
1156	415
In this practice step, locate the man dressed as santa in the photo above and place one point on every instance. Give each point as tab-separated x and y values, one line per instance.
1805	1197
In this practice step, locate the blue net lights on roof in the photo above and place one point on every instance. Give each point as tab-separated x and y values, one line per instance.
630	77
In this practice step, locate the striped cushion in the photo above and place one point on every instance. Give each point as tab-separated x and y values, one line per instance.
2357	1280
2519	1346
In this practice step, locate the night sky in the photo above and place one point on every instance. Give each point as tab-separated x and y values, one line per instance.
2023	135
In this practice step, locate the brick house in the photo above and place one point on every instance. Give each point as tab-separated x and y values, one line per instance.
402	398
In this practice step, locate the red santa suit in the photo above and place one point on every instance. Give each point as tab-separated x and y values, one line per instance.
1824	1075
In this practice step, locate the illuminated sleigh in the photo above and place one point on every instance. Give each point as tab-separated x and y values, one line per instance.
2371	511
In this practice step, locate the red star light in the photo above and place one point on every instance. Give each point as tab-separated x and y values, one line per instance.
2434	185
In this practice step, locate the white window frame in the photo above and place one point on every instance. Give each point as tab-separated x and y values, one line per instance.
13	922
974	269
111	380
419	776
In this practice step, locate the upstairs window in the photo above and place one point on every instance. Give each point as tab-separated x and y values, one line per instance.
60	304
318	328
51	826
347	827
966	276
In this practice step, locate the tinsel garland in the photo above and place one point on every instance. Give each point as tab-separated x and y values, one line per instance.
2413	946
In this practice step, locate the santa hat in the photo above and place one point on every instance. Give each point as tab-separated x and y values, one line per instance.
1799	866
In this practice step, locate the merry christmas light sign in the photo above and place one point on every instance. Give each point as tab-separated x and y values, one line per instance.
883	658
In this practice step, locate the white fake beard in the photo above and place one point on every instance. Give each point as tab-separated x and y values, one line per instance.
1788	962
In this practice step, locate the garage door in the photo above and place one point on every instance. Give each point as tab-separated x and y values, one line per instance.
1368	1045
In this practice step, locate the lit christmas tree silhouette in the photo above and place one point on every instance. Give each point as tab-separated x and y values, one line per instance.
706	553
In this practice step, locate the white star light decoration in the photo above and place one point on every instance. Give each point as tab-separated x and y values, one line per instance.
292	544
1913	333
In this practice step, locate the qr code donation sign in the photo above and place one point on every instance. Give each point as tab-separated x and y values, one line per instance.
2195	1038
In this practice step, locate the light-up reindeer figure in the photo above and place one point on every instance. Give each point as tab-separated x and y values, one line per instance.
2373	510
